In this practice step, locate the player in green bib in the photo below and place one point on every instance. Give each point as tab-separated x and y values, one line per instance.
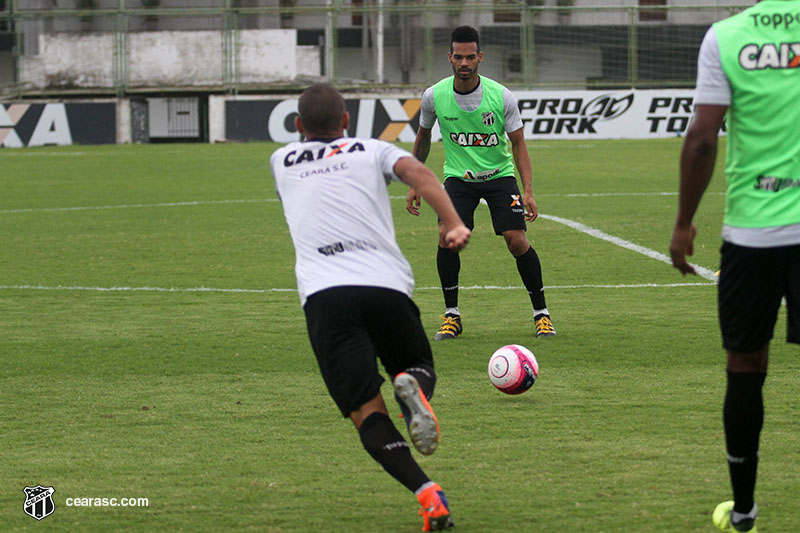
749	70
483	145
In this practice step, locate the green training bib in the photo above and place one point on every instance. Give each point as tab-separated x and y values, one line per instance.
760	55
475	143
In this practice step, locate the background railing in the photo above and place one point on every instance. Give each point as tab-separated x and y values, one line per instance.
118	47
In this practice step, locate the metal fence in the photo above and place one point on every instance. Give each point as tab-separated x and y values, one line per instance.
118	47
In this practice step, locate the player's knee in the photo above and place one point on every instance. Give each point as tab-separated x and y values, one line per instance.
517	244
746	362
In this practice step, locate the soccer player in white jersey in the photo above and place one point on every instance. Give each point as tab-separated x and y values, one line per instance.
351	273
479	119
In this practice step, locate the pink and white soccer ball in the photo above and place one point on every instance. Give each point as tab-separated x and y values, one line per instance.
513	369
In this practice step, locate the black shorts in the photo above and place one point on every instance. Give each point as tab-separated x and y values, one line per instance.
350	326
502	195
752	283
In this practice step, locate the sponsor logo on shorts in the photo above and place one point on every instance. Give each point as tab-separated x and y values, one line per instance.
516	205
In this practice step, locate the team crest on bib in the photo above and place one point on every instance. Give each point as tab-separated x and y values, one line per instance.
488	118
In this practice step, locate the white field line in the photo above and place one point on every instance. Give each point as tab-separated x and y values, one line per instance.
264	291
535	146
269	200
611	194
594	232
131	206
137	289
40	153
36	152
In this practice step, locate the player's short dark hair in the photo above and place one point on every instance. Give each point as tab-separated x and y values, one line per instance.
465	34
321	108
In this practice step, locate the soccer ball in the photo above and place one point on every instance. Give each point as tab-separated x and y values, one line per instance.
513	369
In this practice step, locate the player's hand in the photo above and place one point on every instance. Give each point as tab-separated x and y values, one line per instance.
412	202
682	245
457	238
531	209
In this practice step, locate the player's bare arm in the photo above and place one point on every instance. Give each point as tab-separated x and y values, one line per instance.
422	147
452	231
698	156
522	160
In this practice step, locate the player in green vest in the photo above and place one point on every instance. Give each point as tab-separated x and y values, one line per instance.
478	119
749	69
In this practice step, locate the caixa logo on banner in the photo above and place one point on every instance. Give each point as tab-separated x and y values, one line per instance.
57	124
388	119
51	126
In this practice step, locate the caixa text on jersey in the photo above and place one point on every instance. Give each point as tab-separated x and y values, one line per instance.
330	150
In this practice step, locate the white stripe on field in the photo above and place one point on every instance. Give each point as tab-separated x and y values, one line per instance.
262	291
137	289
264	200
595	195
587	286
39	153
594	232
129	206
602	194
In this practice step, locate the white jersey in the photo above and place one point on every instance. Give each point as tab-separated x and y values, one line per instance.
336	202
712	86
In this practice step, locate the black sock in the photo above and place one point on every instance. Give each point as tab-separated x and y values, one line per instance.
385	444
743	416
426	377
448	263
530	270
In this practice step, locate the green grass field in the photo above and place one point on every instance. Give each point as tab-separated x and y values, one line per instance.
152	345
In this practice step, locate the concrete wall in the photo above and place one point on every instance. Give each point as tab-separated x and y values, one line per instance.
566	63
69	60
166	59
269	55
173	58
